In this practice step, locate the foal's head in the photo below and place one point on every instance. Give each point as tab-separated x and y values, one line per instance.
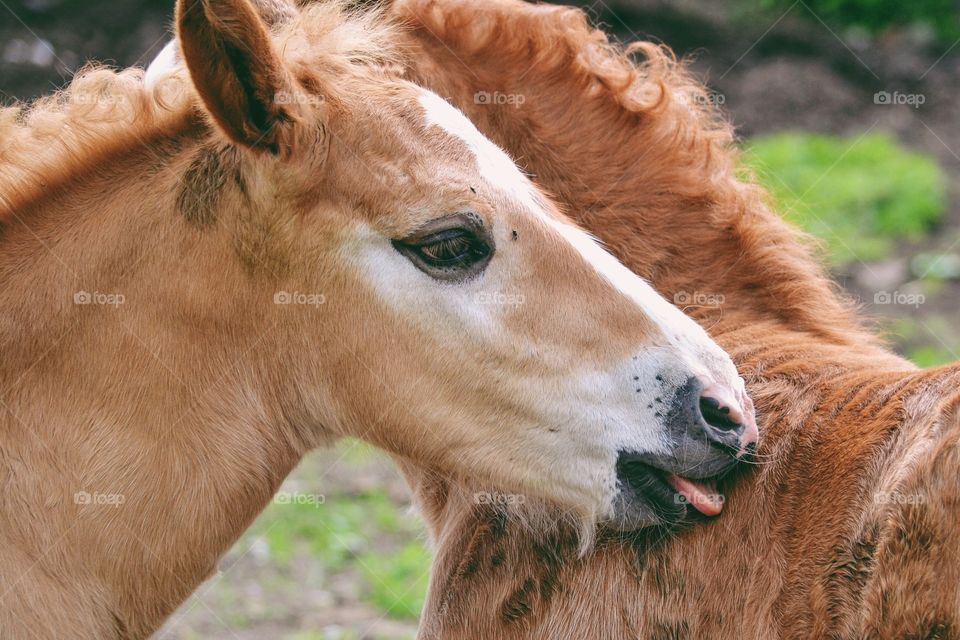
442	307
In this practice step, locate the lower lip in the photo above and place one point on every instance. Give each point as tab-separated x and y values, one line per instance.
659	477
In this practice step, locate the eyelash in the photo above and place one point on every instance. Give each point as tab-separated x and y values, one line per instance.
452	248
459	248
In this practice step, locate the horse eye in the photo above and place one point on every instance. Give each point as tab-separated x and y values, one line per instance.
455	248
450	253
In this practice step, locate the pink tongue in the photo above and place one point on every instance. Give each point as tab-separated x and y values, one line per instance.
702	496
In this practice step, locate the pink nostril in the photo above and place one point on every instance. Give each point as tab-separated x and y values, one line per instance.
751	435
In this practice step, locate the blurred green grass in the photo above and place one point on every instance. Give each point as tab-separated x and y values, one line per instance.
858	195
337	555
350	529
928	342
363	529
865	198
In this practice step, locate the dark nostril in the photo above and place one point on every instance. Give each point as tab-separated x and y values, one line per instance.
716	415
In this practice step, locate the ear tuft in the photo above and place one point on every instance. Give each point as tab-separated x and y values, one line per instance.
240	77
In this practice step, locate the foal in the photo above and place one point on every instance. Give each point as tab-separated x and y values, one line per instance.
279	245
850	527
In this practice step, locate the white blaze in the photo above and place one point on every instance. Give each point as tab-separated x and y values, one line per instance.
500	171
495	165
167	60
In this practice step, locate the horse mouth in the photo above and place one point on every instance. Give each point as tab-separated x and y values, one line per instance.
671	497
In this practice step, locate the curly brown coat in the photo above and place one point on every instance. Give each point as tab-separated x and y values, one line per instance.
848	525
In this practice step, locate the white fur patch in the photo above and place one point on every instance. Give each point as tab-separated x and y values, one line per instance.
166	61
500	171
495	165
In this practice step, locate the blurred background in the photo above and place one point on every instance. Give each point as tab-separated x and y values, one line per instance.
847	111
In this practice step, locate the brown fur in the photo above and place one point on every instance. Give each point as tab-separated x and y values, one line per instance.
847	527
282	161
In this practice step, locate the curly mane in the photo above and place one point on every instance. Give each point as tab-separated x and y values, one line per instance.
105	111
102	112
647	122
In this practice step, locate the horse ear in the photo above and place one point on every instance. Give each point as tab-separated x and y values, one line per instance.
237	72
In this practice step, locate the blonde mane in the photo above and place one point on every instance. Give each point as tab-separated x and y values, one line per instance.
104	111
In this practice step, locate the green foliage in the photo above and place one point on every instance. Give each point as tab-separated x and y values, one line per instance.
929	356
398	582
929	341
876	15
857	194
366	531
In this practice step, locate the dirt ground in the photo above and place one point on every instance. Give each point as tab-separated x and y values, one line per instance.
774	72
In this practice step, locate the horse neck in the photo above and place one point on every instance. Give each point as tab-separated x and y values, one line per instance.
659	189
140	390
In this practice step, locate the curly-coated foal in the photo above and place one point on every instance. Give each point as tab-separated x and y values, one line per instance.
850	527
206	274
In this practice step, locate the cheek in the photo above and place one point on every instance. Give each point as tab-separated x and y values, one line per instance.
460	320
547	295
